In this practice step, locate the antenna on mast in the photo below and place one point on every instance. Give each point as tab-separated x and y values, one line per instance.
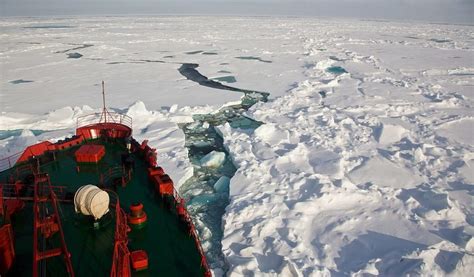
104	109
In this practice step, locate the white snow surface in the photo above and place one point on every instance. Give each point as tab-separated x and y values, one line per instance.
368	172
373	178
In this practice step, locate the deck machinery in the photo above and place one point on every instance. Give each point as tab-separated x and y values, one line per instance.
46	224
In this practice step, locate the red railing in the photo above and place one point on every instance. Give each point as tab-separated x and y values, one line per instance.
44	193
21	170
121	255
192	231
12	191
36	150
9	162
111	117
118	171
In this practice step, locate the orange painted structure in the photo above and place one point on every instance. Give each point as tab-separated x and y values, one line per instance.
121	255
136	209
149	153
139	260
45	146
12	206
163	184
44	224
110	130
6	248
90	153
68	142
137	216
36	150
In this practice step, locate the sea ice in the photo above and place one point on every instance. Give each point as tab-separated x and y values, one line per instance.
214	159
222	185
362	173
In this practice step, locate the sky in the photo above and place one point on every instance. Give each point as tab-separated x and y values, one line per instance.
449	11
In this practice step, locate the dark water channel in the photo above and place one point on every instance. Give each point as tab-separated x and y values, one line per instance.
207	191
189	71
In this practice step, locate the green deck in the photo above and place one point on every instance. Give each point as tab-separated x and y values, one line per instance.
171	250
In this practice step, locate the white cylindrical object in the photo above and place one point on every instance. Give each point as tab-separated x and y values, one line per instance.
80	197
91	200
97	203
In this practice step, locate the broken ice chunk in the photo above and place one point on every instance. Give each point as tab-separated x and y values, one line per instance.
222	185
213	159
202	200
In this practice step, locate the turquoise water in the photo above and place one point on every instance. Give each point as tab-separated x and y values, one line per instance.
253	58
336	70
15	133
189	70
227	79
20	81
74	55
194	52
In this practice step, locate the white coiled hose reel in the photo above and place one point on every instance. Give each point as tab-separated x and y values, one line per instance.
91	200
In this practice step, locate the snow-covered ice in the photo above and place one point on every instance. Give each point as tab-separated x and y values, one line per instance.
363	172
364	163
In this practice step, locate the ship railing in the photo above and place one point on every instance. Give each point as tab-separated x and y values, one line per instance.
13	189
10	161
121	255
118	171
107	117
193	232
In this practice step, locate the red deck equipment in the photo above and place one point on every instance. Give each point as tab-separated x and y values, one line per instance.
139	260
12	206
90	153
35	150
137	216
163	184
153	171
68	142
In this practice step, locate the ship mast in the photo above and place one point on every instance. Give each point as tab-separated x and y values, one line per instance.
104	109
